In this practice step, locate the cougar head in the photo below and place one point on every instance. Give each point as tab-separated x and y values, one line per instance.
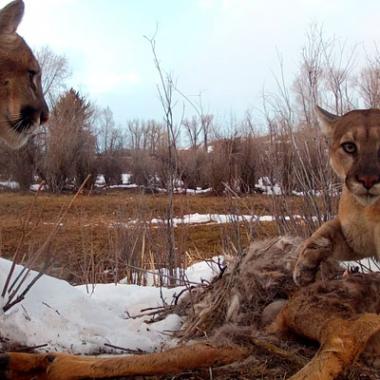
354	146
22	104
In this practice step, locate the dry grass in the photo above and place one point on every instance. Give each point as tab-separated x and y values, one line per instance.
87	239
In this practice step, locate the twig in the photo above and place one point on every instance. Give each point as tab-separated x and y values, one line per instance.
273	349
21	297
129	350
30	348
158	311
19	281
15	256
178	296
161	274
153	308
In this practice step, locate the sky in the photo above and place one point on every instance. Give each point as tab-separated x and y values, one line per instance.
222	52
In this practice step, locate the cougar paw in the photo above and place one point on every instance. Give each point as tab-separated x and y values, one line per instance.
314	250
304	274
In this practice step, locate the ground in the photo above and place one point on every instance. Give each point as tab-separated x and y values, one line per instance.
93	240
121	235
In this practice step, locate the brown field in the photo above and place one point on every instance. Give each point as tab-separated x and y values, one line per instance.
93	245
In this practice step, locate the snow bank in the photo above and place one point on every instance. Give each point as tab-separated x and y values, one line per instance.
194	274
69	319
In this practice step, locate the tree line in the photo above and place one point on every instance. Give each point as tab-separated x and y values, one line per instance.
278	140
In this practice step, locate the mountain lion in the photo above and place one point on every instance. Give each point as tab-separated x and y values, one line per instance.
354	150
22	104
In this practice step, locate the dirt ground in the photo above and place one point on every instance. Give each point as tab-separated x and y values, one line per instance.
92	239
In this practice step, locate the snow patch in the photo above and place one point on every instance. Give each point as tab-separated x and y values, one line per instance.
267	187
13	185
365	265
68	319
126	178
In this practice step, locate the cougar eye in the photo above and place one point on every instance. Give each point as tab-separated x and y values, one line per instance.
349	147
32	78
32	74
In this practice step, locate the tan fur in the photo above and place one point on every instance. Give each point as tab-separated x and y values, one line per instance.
22	104
342	314
355	232
20	366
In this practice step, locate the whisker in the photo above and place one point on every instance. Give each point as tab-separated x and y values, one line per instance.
8	121
14	116
18	125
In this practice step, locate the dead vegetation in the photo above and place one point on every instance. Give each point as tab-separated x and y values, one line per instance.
93	243
251	322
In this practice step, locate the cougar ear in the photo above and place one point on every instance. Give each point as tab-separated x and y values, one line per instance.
11	16
326	121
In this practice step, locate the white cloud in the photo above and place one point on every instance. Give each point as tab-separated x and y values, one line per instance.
225	48
101	82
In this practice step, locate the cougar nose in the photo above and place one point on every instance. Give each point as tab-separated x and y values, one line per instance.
368	180
44	116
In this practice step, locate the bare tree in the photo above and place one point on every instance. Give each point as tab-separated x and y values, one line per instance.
55	71
339	64
369	84
135	134
154	135
308	82
109	146
206	124
108	137
165	90
193	130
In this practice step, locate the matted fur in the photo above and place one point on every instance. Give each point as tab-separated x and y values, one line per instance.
240	305
248	287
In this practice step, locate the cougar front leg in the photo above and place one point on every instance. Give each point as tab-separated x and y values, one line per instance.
327	241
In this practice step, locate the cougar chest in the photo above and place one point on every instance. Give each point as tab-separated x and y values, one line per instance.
361	228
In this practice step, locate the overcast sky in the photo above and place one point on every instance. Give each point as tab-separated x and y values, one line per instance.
225	49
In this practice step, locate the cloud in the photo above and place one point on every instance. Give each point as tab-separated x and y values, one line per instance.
101	82
206	4
226	48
